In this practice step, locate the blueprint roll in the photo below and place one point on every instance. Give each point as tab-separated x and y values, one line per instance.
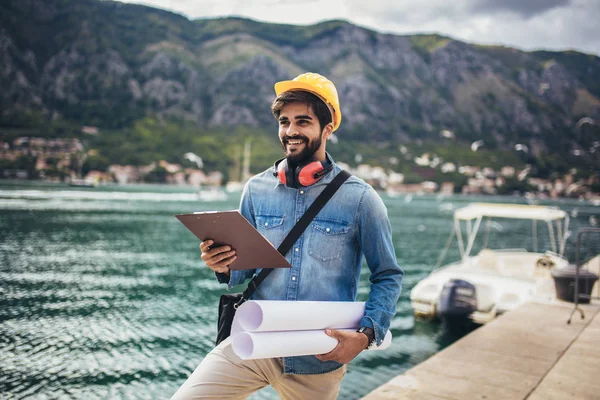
274	315
235	326
256	345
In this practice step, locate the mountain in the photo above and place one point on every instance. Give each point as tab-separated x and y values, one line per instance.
110	65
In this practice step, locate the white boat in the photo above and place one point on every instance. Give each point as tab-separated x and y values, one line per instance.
234	187
211	193
480	287
83	182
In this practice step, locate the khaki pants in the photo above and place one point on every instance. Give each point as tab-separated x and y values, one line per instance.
223	375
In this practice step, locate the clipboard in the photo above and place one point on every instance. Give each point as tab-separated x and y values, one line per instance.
253	250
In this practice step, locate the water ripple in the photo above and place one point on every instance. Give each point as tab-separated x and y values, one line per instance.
103	294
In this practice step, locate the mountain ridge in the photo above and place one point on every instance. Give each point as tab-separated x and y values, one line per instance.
110	64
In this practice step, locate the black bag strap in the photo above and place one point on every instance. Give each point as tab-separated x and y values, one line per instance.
297	230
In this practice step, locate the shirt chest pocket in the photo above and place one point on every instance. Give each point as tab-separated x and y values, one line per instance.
271	227
328	239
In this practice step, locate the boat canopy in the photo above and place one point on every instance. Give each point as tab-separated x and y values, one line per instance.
473	214
518	211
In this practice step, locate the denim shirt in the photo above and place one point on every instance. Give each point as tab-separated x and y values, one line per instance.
327	258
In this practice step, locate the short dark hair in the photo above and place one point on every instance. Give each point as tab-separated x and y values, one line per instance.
300	96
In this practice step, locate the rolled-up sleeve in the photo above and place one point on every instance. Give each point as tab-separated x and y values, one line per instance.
375	236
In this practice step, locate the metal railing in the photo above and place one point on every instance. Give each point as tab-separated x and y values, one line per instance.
578	263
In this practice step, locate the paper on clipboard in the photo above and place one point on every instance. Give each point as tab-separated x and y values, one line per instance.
231	228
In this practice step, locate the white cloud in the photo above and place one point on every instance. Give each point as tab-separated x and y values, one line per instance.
523	8
525	24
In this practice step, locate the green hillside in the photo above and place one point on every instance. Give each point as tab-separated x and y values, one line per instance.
157	85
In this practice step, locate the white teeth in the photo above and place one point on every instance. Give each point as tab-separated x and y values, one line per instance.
294	142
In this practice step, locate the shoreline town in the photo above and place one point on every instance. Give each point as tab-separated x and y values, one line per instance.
61	160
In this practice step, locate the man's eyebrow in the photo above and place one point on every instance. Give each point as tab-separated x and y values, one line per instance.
282	118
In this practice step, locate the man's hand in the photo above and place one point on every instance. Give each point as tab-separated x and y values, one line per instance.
350	344
217	259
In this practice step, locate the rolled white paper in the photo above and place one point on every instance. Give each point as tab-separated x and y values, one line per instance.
255	345
235	326
274	315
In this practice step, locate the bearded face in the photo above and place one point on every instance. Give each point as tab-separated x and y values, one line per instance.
300	134
299	149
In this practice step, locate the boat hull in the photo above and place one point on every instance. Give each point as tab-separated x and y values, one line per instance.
513	279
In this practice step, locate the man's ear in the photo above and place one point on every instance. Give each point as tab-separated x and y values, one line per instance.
327	131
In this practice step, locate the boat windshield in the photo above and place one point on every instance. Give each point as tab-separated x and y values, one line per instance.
521	226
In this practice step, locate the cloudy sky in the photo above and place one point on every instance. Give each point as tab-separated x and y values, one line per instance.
525	24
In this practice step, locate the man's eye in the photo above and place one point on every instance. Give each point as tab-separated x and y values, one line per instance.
283	122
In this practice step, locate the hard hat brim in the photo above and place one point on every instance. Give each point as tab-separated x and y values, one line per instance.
287	86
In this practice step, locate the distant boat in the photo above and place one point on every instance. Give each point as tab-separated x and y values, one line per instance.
234	187
211	193
83	183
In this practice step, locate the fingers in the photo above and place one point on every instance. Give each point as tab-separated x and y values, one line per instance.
332	355
219	258
339	335
217	254
350	344
221	262
204	246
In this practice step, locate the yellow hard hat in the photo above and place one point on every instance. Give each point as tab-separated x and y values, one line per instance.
319	86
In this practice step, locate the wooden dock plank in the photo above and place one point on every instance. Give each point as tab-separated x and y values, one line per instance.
477	372
530	353
455	387
496	360
575	375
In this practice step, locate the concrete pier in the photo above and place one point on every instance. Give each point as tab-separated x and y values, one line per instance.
529	353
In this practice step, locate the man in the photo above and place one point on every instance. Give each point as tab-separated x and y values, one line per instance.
326	260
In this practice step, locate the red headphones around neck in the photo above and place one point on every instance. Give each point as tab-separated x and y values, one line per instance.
303	174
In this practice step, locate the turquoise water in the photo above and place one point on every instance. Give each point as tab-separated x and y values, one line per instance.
103	294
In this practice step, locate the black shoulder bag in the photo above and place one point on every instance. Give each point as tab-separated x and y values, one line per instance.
229	303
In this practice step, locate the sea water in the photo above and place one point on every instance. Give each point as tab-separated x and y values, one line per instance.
103	294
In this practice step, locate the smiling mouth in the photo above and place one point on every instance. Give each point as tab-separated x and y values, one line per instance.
295	142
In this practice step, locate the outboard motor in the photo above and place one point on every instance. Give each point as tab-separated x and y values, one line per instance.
457	302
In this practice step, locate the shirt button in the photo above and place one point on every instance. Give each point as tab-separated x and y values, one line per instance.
293	278
266	224
296	249
302	192
327	230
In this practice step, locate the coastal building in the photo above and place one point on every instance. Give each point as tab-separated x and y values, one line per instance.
195	177
448	168
447	189
507	171
124	173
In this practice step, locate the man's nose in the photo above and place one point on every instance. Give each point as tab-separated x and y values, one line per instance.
292	130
